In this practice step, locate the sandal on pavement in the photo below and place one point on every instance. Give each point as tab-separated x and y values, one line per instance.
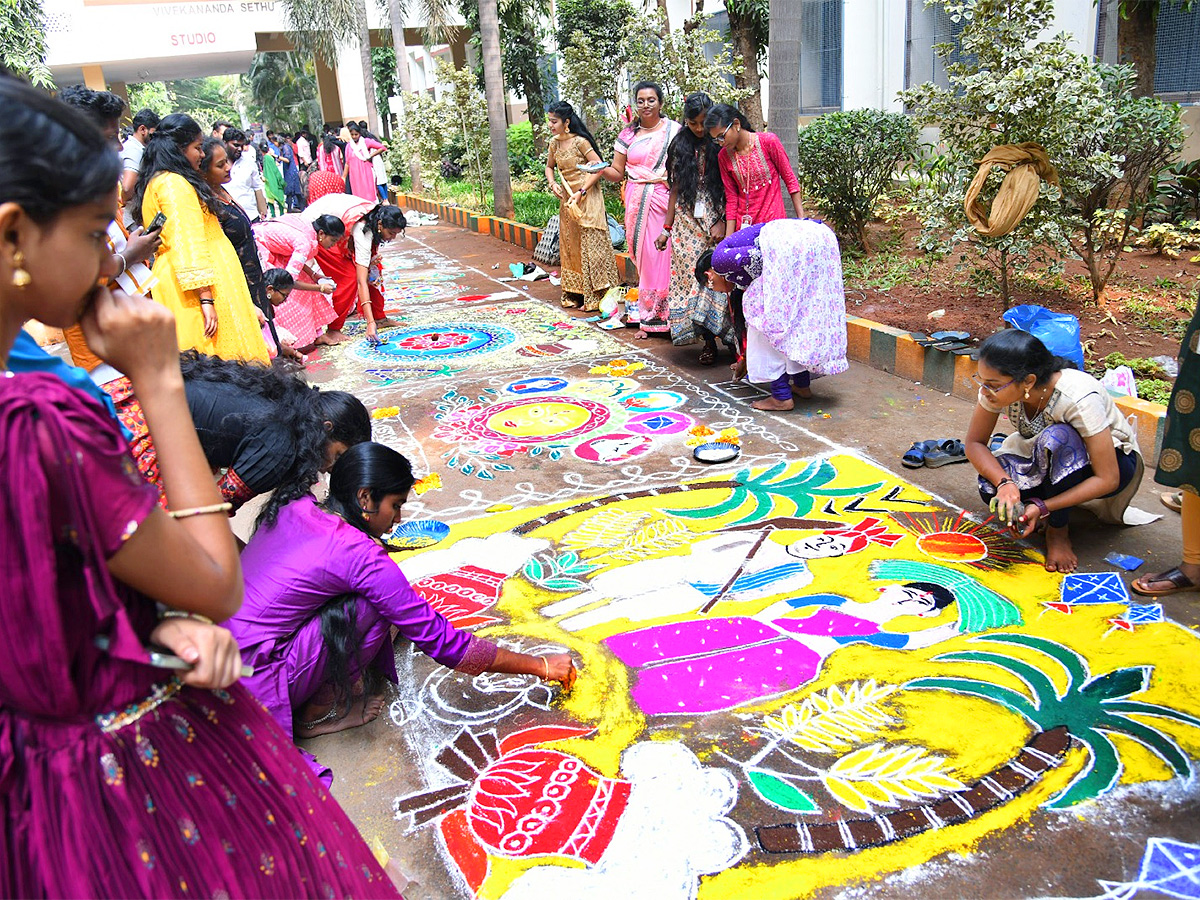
1172	500
1176	578
914	458
708	356
947	452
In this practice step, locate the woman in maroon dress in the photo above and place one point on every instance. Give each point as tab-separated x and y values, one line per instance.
120	778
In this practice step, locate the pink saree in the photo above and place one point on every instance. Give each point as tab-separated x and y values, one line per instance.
646	196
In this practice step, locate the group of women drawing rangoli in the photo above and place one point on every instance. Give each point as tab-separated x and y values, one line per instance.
793	672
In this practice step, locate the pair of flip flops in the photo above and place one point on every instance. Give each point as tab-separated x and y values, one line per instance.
944	340
932	454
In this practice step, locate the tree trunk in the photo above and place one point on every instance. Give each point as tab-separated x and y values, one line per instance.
531	86
404	78
741	33
1137	34
785	75
550	518
364	55
493	83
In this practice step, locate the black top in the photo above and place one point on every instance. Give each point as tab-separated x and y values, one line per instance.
238	431
236	225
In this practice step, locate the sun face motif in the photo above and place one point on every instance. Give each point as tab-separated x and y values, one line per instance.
961	540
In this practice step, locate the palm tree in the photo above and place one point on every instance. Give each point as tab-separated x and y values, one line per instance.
753	496
397	12
1090	707
318	26
493	85
284	88
784	111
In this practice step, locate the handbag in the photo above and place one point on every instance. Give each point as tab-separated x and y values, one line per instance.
547	252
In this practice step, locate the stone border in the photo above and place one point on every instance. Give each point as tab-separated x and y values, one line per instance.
879	346
896	351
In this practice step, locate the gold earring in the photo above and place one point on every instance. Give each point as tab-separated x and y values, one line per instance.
20	277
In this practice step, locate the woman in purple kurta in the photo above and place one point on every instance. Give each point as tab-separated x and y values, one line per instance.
119	778
323	561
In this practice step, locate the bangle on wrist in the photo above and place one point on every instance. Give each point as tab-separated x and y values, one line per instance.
545	668
124	264
667	228
200	510
181	614
1003	481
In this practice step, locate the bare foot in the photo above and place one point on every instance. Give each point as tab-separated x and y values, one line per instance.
1060	556
739	369
385	322
802	393
332	337
362	710
773	405
642	335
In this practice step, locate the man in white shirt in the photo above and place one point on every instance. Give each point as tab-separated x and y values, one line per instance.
245	184
144	124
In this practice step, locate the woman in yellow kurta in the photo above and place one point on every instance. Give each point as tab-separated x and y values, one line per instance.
200	278
588	265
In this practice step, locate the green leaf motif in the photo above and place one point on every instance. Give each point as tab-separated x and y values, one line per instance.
534	570
779	793
1118	684
563	584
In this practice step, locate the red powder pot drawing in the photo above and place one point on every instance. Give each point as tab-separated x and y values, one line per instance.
536	802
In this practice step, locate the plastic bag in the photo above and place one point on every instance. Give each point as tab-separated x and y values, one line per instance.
616	233
1058	331
1120	381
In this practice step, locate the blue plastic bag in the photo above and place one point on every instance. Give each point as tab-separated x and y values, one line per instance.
1058	331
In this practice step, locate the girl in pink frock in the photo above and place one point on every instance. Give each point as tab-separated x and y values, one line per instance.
119	778
640	157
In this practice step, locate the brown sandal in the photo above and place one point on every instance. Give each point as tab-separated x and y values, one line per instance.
1172	500
1173	577
708	356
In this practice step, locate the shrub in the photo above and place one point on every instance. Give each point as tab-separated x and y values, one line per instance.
1171	240
1145	134
848	160
522	157
1011	80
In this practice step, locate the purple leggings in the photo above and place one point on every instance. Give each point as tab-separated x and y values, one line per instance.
781	389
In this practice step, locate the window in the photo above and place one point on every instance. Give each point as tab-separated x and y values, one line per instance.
927	27
1177	70
821	56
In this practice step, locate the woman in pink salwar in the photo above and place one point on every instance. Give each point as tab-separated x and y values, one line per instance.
360	150
290	242
118	777
753	167
640	156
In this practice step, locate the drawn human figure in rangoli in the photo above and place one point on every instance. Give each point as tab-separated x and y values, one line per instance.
705	665
735	565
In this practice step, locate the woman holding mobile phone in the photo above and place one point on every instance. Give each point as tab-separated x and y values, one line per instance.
199	276
179	784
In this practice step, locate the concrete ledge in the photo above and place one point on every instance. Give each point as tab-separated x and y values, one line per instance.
892	350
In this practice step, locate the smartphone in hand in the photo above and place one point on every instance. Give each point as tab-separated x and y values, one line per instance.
157	222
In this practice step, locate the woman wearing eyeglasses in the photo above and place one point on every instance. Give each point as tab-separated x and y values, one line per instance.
1071	444
753	166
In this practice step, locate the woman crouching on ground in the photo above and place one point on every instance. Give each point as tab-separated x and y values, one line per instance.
322	596
1071	443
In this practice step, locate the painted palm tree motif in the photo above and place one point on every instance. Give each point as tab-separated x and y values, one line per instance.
1090	707
752	497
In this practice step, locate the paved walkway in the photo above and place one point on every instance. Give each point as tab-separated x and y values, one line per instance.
518	405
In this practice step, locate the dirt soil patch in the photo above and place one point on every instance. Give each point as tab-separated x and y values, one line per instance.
1151	298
